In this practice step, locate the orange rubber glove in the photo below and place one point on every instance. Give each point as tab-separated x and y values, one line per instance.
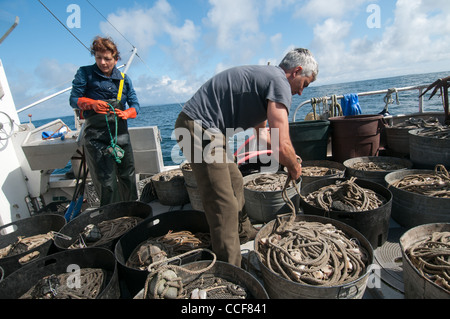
99	106
127	114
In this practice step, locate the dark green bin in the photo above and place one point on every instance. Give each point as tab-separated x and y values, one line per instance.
310	139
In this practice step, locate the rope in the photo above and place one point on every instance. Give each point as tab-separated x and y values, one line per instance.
163	281
267	182
104	232
60	286
377	166
313	254
389	100
335	107
171	244
436	132
433	185
414	123
114	150
345	196
320	171
23	244
431	257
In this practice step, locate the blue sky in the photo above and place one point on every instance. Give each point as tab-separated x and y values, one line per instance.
182	43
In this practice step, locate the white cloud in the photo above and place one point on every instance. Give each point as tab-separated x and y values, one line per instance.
418	36
316	10
147	27
51	72
236	25
164	90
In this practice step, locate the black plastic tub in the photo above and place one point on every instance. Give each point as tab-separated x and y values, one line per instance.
108	212
373	224
32	226
22	280
134	279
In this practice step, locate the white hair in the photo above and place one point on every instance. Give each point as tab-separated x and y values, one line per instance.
301	57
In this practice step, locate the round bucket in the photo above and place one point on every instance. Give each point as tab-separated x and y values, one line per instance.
170	189
32	226
426	152
188	174
335	170
418	286
225	271
412	209
108	212
264	206
22	280
376	176
355	136
397	137
193	221
278	287
372	224
310	139
194	198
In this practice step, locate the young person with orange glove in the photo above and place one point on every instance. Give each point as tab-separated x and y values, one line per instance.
101	92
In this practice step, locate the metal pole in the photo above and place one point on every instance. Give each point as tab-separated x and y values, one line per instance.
421	87
128	64
16	22
50	97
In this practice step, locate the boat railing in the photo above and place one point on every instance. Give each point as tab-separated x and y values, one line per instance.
391	91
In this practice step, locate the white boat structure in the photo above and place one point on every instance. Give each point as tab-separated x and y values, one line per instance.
28	162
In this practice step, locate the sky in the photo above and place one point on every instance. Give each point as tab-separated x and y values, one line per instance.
182	43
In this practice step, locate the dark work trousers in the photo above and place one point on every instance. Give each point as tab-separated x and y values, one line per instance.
220	185
114	182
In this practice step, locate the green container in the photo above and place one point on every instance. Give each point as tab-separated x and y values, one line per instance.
310	139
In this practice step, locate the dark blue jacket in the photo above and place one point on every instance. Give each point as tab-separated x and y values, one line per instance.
90	82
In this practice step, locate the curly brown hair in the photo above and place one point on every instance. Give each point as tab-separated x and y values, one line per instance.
105	44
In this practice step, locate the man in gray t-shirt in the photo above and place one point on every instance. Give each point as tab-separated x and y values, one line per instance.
239	98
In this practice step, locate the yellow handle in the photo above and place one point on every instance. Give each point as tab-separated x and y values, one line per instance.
119	95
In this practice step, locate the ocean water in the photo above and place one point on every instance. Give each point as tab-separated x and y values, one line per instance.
164	116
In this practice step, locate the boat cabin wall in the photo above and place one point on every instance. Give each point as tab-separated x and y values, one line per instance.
13	205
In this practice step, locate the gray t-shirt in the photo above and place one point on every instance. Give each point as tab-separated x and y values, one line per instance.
237	98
